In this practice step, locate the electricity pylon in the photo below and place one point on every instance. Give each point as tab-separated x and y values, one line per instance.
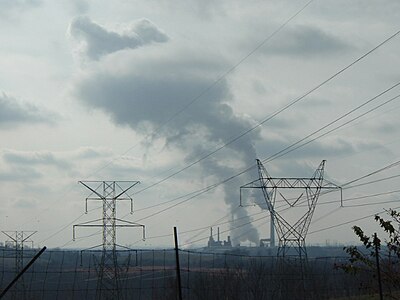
109	192
19	239
291	235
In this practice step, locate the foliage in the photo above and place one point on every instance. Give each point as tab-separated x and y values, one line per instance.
364	261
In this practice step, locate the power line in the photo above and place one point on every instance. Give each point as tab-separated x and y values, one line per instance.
290	149
285	209
212	85
331	202
375	172
356	198
374	181
206	90
372	203
202	191
348	222
265	217
277	112
68	225
336	120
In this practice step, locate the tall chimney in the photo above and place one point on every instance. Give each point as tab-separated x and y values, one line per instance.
272	231
218	234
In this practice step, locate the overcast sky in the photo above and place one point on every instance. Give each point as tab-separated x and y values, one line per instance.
140	90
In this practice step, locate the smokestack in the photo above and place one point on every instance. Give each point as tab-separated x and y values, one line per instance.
211	233
272	231
218	234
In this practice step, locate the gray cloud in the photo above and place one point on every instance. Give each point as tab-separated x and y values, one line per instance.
306	41
152	86
19	174
14	113
12	4
24	203
80	6
97	41
34	158
205	9
11	8
91	153
316	149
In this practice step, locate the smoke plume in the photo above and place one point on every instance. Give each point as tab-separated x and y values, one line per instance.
143	88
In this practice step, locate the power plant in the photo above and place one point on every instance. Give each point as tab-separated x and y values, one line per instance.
212	243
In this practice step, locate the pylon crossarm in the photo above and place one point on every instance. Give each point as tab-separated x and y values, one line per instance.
330	185
11	237
132	224
19	240
94	198
94	191
291	183
28	236
86	224
125	190
252	185
303	196
128	222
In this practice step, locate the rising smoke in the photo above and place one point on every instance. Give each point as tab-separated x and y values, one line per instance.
143	88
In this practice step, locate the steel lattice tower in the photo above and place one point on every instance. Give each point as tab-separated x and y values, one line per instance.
19	238
291	235
109	192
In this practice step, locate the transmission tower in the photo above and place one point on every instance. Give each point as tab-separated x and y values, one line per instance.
291	235
109	193
19	239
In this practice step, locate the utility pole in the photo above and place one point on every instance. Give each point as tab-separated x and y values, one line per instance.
109	193
378	269
19	239
291	235
303	196
178	268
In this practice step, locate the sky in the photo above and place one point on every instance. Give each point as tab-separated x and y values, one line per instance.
184	95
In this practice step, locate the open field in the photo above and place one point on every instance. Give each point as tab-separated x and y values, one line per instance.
151	274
